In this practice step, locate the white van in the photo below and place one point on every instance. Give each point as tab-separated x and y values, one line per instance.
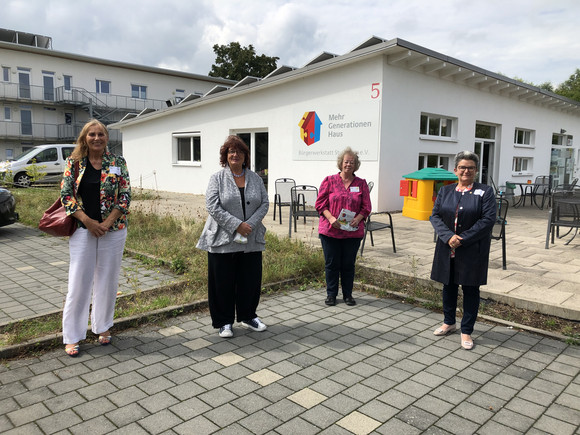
50	158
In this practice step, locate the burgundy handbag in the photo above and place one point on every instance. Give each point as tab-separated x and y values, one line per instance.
55	220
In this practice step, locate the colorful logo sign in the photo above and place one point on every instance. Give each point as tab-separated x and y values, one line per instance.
310	128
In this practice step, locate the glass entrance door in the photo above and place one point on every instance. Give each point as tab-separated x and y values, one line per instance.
484	150
258	144
562	165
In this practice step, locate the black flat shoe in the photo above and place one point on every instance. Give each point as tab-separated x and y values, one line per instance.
330	300
349	301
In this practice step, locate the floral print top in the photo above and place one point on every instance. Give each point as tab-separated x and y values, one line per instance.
115	188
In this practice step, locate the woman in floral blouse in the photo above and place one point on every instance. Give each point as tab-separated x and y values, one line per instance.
341	236
100	204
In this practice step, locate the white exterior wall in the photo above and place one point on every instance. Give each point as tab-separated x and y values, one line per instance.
148	145
406	94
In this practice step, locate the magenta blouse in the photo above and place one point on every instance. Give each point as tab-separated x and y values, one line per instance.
332	196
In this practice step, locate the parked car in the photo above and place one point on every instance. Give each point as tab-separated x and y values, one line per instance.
50	158
7	205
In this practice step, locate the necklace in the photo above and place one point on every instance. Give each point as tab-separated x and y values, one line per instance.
240	175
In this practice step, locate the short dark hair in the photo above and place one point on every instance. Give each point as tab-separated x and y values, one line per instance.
234	142
467	155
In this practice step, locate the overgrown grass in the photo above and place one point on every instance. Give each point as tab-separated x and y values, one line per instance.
167	240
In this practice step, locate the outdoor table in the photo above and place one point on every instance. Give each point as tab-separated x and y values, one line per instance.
565	212
527	190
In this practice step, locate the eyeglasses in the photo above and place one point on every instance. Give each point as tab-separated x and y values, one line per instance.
466	168
239	152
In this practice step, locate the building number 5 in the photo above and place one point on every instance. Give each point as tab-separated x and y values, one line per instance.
375	91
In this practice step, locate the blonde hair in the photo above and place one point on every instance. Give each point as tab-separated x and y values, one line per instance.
350	152
82	148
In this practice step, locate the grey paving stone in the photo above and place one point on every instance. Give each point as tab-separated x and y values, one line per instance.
495	428
217	397
190	408
155	385
417	417
157	402
547	424
26	399
186	390
126	396
343	403
477	414
512	419
297	426
125	415
95	408
378	410
434	405
284	409
28	414
160	421
413	388
97	426
321	416
458	424
565	413
99	389
59	421
396	426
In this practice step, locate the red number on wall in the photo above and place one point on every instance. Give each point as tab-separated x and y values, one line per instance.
375	91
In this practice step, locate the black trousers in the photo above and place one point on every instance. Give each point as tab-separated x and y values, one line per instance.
470	303
234	286
339	259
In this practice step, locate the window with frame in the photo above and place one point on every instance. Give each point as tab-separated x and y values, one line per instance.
436	125
103	86
179	95
523	137
522	165
139	91
187	148
434	161
67	82
7	114
5	73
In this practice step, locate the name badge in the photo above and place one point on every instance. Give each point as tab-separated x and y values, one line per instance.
354	189
114	170
479	192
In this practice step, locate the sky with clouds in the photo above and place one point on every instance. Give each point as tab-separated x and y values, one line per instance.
536	40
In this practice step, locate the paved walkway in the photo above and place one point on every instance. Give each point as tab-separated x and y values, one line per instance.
538	279
374	368
34	272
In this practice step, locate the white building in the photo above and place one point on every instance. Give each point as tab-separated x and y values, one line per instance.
46	96
402	106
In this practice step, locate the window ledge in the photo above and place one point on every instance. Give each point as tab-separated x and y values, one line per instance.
188	164
521	174
437	138
519	145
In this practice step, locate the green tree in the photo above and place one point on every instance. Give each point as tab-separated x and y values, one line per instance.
235	62
546	86
571	87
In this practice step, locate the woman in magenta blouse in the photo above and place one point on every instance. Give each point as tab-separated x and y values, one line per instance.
343	204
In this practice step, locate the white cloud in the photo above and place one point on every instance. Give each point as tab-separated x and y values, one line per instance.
533	39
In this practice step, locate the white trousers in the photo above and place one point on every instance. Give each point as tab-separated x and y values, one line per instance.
95	264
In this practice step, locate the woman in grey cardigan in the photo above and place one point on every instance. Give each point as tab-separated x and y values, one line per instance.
234	237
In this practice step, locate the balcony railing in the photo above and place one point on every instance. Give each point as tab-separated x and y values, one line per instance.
46	132
75	96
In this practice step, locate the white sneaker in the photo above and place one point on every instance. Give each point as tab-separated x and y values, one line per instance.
226	331
254	324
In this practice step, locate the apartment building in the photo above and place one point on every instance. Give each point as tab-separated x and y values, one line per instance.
46	96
